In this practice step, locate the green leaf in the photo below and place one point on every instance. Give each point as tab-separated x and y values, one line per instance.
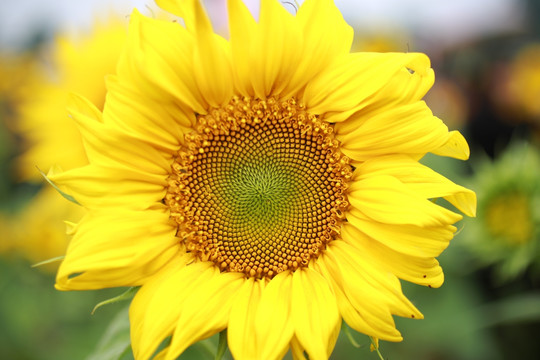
520	308
67	196
115	343
222	345
126	295
49	261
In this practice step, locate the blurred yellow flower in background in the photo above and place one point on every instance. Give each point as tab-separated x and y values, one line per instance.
506	232
448	101
384	40
78	64
49	137
17	72
524	80
268	184
38	231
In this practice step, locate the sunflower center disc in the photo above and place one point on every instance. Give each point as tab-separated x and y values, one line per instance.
259	187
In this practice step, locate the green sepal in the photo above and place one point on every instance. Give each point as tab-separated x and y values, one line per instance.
347	332
67	196
222	345
126	295
375	347
49	261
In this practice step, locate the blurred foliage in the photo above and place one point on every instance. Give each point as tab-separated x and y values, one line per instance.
38	322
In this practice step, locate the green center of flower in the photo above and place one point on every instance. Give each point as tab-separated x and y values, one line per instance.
259	187
509	217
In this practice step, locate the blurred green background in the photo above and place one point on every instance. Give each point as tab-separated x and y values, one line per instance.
487	86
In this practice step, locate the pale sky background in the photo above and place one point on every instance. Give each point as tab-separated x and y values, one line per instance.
441	22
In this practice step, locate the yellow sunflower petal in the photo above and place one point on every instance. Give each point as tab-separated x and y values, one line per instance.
241	329
277	38
161	68
96	186
373	318
167	290
182	8
162	125
314	313
326	32
344	88
297	350
242	27
273	319
212	58
420	270
212	61
456	146
98	135
205	311
126	248
350	315
326	37
406	129
385	199
388	288
421	179
162	354
273	35
408	239
84	107
407	86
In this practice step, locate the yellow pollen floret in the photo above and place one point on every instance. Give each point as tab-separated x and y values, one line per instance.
259	187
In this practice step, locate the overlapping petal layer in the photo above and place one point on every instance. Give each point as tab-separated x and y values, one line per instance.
126	249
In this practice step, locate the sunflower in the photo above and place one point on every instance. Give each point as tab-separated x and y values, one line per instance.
506	233
50	136
267	184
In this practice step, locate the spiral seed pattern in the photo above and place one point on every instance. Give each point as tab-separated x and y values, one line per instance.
259	187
